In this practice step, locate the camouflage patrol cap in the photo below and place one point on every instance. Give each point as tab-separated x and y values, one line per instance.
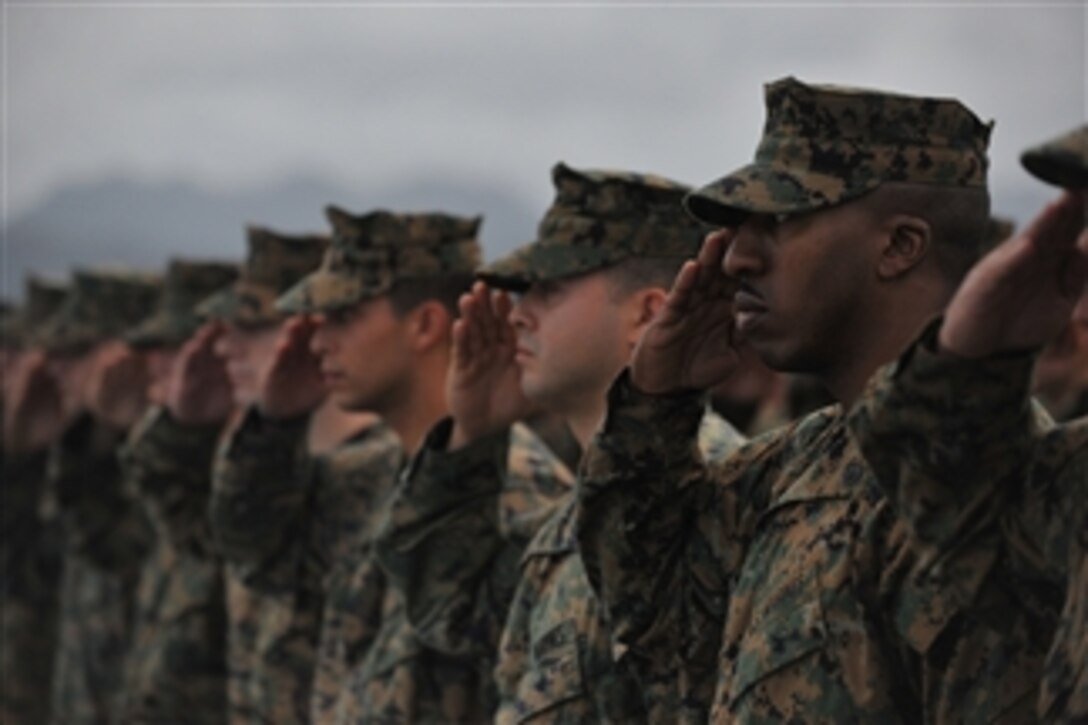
372	252
598	219
1062	161
275	262
187	283
825	145
102	303
42	298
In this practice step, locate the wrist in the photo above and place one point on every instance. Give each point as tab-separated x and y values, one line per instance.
461	435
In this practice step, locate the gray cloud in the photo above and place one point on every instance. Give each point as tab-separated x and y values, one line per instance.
233	97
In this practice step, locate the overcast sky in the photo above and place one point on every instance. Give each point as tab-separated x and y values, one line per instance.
233	95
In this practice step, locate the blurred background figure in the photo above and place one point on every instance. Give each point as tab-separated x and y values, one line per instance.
99	392
30	542
176	662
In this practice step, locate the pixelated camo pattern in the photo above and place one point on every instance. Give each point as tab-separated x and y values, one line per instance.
600	218
964	457
780	585
42	298
177	662
101	304
555	657
273	263
187	283
28	611
106	540
824	145
370	253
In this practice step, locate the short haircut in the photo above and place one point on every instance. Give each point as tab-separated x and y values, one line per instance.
958	218
446	289
631	275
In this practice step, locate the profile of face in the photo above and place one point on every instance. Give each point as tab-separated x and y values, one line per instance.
367	354
574	336
803	284
247	354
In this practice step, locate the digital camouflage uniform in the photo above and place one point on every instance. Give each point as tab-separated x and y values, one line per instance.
779	584
31	549
370	666
555	661
176	668
106	535
480	540
971	464
271	633
293	544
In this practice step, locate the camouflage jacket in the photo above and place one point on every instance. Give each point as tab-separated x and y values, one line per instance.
176	668
260	479
970	463
401	681
555	657
107	538
779	584
31	585
456	529
354	483
305	600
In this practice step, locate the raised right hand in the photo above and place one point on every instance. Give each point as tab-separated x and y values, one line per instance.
483	386
198	390
33	411
1021	295
690	344
292	385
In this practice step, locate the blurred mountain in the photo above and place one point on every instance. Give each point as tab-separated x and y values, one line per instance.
122	221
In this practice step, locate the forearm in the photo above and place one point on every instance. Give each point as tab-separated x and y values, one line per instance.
647	529
101	522
948	438
257	507
169	465
440	539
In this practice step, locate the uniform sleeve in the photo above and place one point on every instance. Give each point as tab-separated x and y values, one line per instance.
83	480
955	445
949	439
22	487
258	504
351	485
660	535
455	531
168	465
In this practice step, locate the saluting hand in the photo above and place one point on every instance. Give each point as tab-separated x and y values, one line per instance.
1023	293
690	343
198	391
483	386
33	411
116	391
292	384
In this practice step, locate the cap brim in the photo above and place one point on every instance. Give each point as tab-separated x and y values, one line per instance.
65	339
324	291
162	330
241	304
1064	170
541	261
765	189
